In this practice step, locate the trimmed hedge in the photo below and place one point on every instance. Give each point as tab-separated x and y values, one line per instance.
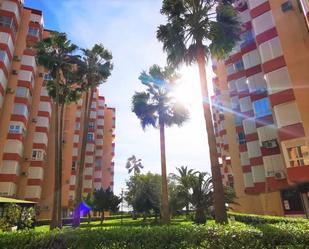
233	236
264	219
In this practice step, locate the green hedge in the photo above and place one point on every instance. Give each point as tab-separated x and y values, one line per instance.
264	219
233	236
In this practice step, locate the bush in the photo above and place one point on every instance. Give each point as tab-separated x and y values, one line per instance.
263	219
233	236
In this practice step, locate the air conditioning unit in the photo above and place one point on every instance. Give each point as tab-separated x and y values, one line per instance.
34	120
9	90
270	144
14	72
270	173
24	173
279	175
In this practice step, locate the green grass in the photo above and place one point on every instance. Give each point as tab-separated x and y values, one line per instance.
126	222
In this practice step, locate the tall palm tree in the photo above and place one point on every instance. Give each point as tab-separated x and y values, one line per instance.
158	108
184	179
96	68
56	54
134	164
194	30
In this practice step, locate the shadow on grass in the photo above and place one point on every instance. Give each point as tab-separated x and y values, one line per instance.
128	222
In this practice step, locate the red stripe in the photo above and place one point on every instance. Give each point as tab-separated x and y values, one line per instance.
248	48
291	132
21	118
34	182
259	10
15	136
242	148
21	100
29	51
88	165
27	68
282	97
236	75
256	161
8	178
97	180
270	151
11	156
72	187
37	163
45	98
87	190
44	114
273	64
24	83
266	35
88	177
267	120
39	146
246	168
256	96
252	137
239	129
253	70
41	129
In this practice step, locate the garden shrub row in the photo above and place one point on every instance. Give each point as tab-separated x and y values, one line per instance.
232	236
264	219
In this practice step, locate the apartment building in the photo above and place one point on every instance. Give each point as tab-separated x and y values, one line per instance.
260	109
26	115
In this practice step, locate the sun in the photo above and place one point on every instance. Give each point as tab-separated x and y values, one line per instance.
188	89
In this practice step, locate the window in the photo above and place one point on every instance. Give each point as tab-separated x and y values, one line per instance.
239	65
20	109
8	22
251	59
238	120
22	92
98	163
77	126
278	80
262	108
91	125
37	155
247	38
74	164
241	138
15	129
298	156
263	22
257	83
270	49
90	137
33	31
2	55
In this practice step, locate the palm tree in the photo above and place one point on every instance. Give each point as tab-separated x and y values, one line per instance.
202	195
134	164
96	67
194	30
184	180
158	108
56	54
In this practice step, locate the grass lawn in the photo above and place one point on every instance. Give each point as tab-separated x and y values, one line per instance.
126	222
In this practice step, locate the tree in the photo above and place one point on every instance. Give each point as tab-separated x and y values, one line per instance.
56	54
184	180
105	200
134	164
96	66
144	193
202	195
194	30
158	108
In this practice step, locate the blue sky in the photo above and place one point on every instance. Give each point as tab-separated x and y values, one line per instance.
127	28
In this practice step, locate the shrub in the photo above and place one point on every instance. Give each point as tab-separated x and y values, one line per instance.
233	236
263	219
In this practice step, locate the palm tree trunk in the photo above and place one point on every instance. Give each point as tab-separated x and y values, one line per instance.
102	217
79	179
165	208
219	203
59	208
54	221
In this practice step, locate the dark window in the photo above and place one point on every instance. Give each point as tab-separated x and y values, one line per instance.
262	107
291	200
33	31
239	65
74	165
241	138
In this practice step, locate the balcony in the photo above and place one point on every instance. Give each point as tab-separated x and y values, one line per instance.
29	62
11	7
299	174
35	173
36	19
5	38
7	189
33	192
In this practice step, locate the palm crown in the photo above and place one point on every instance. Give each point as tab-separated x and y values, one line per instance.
157	104
193	24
